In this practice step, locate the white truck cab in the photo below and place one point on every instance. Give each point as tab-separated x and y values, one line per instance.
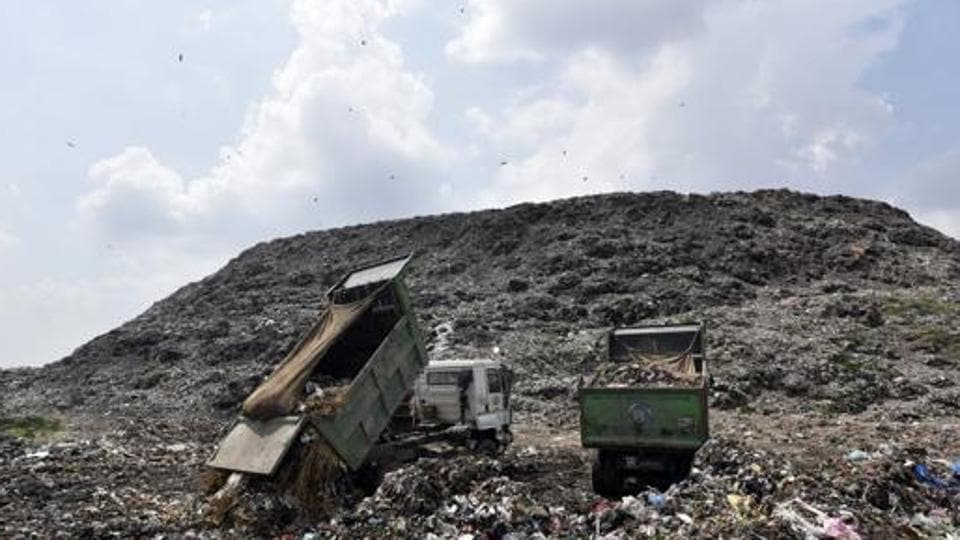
473	393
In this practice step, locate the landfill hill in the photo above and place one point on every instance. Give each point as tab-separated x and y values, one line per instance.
832	327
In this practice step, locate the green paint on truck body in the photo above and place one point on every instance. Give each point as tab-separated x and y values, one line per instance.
628	418
648	418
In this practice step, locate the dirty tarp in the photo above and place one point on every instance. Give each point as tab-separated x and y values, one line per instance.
281	392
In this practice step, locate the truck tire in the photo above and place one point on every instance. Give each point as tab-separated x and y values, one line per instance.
680	466
488	447
606	475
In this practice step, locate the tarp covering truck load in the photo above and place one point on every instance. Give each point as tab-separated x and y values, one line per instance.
644	406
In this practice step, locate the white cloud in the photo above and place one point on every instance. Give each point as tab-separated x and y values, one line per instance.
341	137
933	187
7	239
945	221
541	29
135	194
202	21
747	94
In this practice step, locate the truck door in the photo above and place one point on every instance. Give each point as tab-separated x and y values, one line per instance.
492	412
495	401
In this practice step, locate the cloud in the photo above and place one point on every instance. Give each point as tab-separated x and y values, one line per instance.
934	181
341	137
748	94
7	239
504	30
932	187
135	194
202	21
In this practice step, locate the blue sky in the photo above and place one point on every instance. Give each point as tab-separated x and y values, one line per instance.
127	172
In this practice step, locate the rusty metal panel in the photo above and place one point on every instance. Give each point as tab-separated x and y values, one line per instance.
257	446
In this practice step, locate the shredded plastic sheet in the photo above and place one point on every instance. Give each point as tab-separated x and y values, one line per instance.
280	394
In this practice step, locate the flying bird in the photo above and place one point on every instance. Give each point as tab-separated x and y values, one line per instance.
315	199
363	43
683	104
71	144
180	57
392	177
461	9
502	163
584	178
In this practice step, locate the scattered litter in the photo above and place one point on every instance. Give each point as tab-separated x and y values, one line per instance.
857	455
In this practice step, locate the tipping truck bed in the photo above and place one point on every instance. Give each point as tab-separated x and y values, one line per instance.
375	352
645	406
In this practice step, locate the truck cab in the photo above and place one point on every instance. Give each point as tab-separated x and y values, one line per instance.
472	393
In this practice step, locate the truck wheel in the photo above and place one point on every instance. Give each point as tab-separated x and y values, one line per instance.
680	468
606	475
488	447
596	475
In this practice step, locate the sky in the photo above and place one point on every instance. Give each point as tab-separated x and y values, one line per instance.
144	144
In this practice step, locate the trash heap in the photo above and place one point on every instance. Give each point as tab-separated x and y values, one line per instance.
733	492
649	371
312	483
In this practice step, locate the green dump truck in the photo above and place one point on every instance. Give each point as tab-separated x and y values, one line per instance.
643	406
343	381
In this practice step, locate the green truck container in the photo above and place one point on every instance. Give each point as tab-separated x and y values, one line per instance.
381	354
645	435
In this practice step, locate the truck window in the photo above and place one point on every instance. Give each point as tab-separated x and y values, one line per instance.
494	384
443	378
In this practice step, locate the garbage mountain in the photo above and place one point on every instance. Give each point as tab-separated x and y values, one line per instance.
832	325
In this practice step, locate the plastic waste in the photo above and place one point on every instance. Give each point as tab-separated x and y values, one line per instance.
656	500
858	455
924	476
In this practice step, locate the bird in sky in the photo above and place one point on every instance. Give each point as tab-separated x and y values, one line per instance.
180	57
71	144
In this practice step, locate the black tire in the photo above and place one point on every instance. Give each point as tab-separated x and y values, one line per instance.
606	475
368	477
596	476
488	447
680	465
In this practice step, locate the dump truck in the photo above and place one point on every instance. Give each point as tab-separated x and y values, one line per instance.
643	406
366	346
351	376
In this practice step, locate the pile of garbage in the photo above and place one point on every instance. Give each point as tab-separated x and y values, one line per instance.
324	400
733	491
311	483
648	371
